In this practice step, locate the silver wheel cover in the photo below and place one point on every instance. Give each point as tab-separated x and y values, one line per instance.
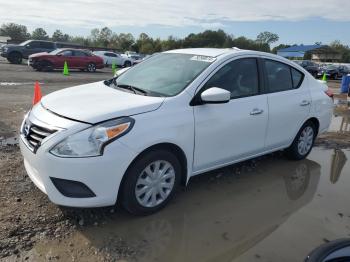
155	183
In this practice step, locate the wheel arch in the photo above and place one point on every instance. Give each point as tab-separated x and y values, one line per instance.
315	121
173	148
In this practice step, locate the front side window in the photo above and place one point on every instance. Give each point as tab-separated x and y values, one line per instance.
165	74
66	53
33	44
79	53
240	77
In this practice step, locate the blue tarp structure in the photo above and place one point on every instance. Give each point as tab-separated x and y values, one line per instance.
345	84
297	50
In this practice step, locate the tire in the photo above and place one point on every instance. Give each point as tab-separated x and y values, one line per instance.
127	64
145	201
322	252
15	58
45	66
303	142
91	67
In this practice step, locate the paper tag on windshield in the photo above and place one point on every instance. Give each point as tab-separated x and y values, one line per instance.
203	58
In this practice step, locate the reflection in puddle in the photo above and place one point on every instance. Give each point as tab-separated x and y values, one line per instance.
217	218
338	161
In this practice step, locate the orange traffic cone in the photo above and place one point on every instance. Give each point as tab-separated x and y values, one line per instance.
37	93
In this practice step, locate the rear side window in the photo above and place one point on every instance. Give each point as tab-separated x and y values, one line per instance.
240	77
47	45
282	77
79	53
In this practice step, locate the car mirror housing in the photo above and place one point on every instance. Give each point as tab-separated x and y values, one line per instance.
215	95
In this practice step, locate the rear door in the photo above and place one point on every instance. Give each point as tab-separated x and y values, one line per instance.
289	101
80	59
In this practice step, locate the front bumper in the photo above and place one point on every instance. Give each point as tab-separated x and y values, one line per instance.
102	175
3	54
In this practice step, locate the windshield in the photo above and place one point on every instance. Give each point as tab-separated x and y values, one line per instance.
55	52
165	74
24	43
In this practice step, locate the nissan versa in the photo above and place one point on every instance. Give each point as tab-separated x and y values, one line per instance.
137	137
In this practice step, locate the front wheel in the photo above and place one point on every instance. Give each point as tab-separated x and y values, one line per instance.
303	142
150	182
15	58
127	64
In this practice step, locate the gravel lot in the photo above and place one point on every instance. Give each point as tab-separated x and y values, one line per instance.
201	224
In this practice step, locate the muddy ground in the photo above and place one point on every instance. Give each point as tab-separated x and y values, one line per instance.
252	208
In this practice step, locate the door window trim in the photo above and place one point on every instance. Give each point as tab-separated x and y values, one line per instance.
266	80
261	81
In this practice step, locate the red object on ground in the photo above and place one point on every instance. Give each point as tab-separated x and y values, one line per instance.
37	93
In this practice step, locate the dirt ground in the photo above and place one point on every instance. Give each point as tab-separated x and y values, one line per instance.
34	229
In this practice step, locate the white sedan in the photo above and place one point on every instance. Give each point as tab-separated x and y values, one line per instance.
109	58
137	137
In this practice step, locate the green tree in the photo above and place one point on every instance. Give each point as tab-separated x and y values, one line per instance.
18	33
58	36
267	38
40	34
343	50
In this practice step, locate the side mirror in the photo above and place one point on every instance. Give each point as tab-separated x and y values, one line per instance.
27	46
215	95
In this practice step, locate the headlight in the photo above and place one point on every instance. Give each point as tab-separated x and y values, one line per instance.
5	49
91	142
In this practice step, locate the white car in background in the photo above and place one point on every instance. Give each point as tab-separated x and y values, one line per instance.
136	137
110	57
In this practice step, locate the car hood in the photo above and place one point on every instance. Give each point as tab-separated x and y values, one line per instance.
96	102
39	54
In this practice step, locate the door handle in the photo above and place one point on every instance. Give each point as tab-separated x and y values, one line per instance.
256	111
305	103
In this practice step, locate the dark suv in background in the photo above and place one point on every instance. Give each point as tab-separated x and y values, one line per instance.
309	66
16	53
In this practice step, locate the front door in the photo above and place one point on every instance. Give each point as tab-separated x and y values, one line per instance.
235	130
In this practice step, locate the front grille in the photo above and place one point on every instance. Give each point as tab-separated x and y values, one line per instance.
34	135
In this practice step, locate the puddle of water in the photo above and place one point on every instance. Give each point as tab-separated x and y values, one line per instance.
278	211
11	141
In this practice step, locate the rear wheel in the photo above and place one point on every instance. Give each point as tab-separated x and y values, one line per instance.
91	67
150	182
15	58
303	142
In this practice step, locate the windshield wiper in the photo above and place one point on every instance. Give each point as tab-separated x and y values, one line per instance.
133	88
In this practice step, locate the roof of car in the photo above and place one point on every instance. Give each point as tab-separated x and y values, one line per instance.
213	52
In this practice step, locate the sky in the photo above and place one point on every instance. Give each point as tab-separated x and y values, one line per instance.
296	22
